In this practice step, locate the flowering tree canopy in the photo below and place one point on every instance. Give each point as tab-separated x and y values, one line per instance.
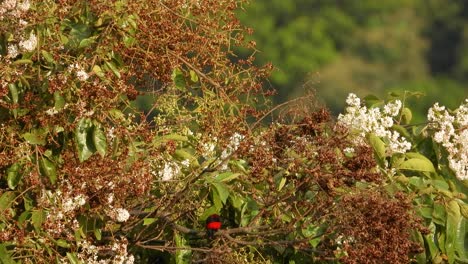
87	177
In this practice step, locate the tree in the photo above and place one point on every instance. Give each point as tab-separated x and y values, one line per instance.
86	178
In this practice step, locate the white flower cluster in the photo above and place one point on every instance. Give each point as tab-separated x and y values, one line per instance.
89	253
79	71
29	44
70	204
362	121
236	139
25	45
13	8
452	132
119	214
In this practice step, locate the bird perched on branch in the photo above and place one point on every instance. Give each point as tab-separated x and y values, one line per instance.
213	224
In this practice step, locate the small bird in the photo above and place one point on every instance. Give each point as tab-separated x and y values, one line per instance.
213	224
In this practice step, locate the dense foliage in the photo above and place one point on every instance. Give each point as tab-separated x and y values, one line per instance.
86	178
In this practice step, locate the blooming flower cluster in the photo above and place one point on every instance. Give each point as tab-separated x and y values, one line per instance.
79	71
362	121
119	214
89	253
451	130
13	8
29	44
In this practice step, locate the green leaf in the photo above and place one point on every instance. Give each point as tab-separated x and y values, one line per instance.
281	184
193	76
98	71
464	209
216	200
59	101
36	137
439	215
98	233
62	243
6	199
211	210
378	145
87	42
406	115
5	256
14	97
461	245
183	155
182	256
113	68
37	218
430	241
73	258
83	139
48	169
48	57
227	176
22	61
403	131
417	236
99	139
178	79
148	221
24	216
14	175
222	190
452	227
417	164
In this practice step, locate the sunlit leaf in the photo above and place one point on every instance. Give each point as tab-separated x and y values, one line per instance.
48	169
83	139
178	79
99	139
6	199
35	137
98	71
5	256
222	190
38	218
73	258
378	145
59	100
417	164
227	176
113	68
14	175
148	221
62	243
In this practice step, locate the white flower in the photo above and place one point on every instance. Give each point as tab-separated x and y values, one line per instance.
12	51
393	108
82	75
451	132
169	171
79	71
52	111
71	204
361	121
349	150
185	163
120	214
24	6
29	44
353	100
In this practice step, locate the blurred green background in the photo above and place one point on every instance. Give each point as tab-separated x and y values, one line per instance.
335	47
